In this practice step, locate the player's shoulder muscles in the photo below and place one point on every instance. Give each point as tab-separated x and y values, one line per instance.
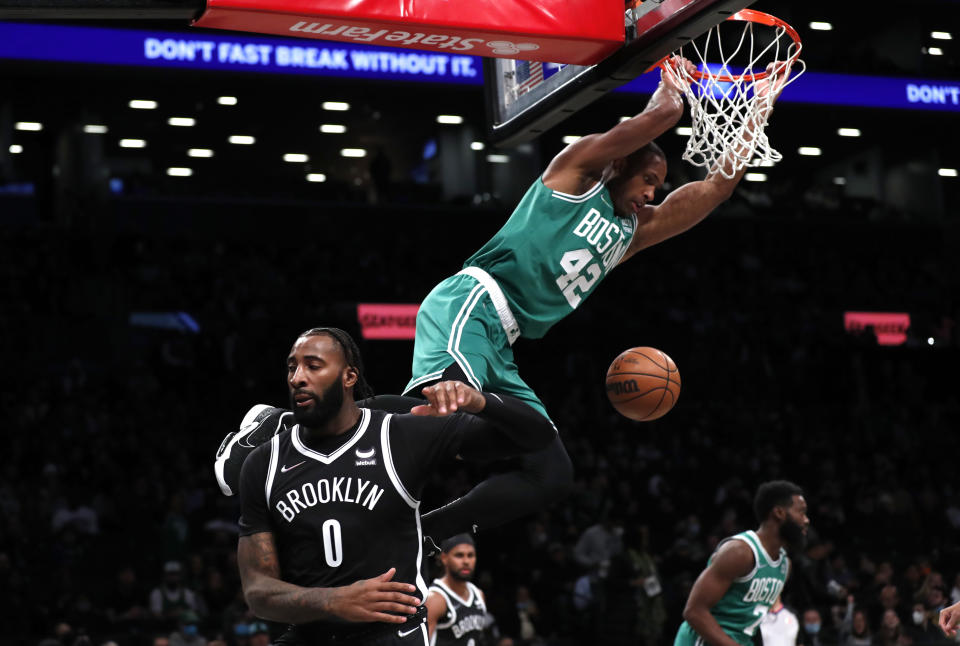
733	559
570	171
436	608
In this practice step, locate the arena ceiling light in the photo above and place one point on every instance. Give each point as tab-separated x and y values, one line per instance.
821	26
335	106
840	181
333	128
684	131
179	172
848	132
95	129
450	119
932	51
941	35
133	143
477	145
569	139
227	100
316	177
143	104
15	149
809	151
755	177
30	126
296	158
242	140
498	159
947	172
184	122
353	152
200	152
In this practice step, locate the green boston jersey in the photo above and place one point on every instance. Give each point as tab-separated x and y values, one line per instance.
553	251
747	600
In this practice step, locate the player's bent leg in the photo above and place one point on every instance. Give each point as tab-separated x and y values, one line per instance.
259	424
544	477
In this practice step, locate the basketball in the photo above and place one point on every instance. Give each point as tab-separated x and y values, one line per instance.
643	384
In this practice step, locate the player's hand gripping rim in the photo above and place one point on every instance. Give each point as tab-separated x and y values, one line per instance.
447	397
375	599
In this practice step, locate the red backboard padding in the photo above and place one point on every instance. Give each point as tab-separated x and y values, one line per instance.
560	31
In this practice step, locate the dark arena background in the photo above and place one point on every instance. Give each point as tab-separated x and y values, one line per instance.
167	229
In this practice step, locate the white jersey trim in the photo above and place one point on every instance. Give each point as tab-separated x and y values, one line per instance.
567	197
391	469
422	380
272	469
323	457
763	550
456	331
451	609
467	602
410	500
756	556
507	320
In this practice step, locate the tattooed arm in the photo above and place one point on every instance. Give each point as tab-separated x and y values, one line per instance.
276	600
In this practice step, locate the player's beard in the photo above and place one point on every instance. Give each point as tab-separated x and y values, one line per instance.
455	574
792	534
324	408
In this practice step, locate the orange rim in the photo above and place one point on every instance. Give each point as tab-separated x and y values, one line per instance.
750	15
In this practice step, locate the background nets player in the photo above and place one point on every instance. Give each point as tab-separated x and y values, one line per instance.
590	211
456	609
330	524
745	576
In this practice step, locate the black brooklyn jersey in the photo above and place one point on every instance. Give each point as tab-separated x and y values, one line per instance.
464	621
346	507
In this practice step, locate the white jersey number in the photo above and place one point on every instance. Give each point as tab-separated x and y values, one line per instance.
332	542
580	275
759	612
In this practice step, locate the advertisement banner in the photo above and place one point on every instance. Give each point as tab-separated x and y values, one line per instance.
387	320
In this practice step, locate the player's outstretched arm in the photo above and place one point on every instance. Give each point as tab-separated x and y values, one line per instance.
949	619
732	561
436	608
520	427
276	600
590	154
691	203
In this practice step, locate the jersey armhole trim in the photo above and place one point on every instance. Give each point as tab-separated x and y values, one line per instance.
391	468
569	197
451	609
272	470
756	557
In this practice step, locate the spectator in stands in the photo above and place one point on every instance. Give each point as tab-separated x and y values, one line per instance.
809	634
171	598
124	603
854	627
891	631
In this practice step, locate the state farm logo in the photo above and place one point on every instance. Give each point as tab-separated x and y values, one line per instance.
505	47
397	38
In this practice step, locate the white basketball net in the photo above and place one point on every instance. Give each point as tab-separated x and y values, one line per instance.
729	115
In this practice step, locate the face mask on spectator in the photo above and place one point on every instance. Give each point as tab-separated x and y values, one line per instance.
813	629
917	617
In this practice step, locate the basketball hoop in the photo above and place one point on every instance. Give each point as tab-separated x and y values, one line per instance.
729	95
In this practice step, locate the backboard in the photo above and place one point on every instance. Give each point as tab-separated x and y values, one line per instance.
525	98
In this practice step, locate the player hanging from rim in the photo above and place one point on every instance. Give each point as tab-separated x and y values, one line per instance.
456	609
330	537
587	213
590	211
742	579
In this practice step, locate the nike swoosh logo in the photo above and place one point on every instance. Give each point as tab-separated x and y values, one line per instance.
363	455
285	468
404	634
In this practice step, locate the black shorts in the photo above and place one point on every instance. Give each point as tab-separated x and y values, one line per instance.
413	632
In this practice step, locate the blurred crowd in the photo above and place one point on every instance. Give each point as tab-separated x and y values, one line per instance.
112	528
